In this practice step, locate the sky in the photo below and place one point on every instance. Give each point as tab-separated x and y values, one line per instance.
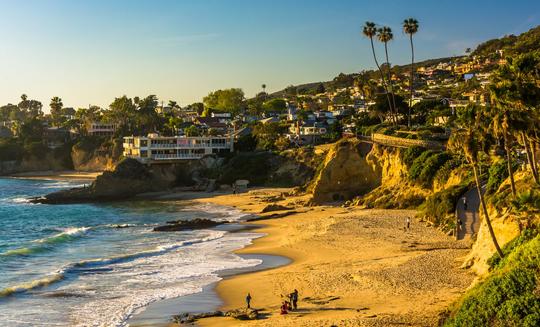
91	51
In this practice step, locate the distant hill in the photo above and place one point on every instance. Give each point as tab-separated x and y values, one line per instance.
511	44
344	80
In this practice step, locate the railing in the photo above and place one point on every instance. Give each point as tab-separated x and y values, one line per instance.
177	156
185	146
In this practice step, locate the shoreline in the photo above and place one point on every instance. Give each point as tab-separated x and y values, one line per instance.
345	272
66	175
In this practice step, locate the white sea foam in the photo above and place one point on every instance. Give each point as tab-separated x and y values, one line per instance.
148	279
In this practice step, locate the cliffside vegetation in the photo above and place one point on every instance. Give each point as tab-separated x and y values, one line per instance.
509	296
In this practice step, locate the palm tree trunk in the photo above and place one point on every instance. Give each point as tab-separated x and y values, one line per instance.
533	156
529	157
412	80
382	77
390	79
484	209
509	165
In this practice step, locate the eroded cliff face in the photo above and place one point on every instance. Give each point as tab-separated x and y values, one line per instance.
35	164
344	173
506	226
106	157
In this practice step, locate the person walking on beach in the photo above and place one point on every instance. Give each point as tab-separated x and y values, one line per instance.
408	224
234	188
248	301
465	203
294	298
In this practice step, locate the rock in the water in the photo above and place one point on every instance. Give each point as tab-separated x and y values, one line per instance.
274	207
180	225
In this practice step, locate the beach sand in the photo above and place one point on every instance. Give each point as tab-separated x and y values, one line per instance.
352	267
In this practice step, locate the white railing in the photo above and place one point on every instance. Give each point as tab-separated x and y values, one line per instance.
177	156
190	146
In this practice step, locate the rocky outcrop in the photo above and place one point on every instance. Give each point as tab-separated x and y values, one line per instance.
128	179
274	207
100	157
344	174
239	314
180	225
396	191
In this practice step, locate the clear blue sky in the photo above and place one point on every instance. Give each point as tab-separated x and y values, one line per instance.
88	52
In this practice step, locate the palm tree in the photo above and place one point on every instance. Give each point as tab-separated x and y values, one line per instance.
410	26
264	88
385	35
370	31
501	128
56	110
467	141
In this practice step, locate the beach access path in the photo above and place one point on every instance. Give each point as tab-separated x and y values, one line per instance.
470	218
351	266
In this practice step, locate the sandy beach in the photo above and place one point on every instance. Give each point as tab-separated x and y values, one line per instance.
352	267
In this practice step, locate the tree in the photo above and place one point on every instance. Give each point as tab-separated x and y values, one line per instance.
514	88
268	134
467	141
385	35
228	100
381	109
192	131
410	27
56	110
370	31
275	105
263	88
122	112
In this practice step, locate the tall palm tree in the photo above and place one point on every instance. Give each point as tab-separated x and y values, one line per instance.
385	35
264	88
467	141
410	27
370	31
502	128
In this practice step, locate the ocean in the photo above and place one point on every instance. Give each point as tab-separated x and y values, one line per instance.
100	264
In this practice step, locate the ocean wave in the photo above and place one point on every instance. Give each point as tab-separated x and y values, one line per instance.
47	243
91	264
24	287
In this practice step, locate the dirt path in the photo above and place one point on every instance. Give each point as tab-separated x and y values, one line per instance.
470	218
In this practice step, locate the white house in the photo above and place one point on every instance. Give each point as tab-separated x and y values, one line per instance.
155	149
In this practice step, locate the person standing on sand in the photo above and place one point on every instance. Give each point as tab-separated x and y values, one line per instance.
294	299
248	301
408	224
234	188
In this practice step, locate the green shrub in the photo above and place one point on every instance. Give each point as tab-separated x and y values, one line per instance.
497	173
10	150
255	167
418	164
35	149
410	154
431	167
439	207
444	172
508	296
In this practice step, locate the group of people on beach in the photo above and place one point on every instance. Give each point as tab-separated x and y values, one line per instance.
291	302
